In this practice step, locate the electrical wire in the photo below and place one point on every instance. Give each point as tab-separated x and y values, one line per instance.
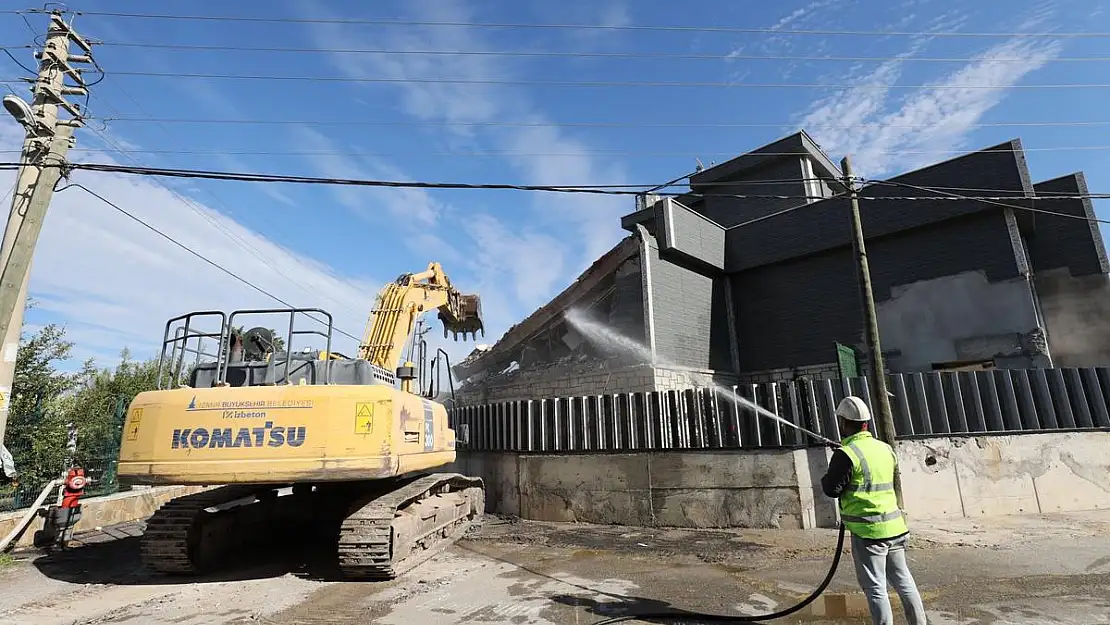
580	154
572	124
198	255
596	190
1001	201
583	54
240	241
17	61
598	83
611	27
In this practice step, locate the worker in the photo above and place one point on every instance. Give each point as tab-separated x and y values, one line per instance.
861	475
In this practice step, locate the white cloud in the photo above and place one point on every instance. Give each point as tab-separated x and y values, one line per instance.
941	118
113	283
592	221
407	206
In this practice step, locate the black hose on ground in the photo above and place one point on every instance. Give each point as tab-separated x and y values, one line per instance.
698	617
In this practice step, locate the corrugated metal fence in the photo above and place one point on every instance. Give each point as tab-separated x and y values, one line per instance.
924	404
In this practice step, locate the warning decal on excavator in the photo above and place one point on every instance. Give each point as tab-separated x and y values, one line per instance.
364	417
133	425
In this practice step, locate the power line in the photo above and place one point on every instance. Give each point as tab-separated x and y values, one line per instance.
614	27
1001	201
584	54
598	83
572	189
200	212
198	254
576	124
579	154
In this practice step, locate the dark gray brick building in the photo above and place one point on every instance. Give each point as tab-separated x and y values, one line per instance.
750	289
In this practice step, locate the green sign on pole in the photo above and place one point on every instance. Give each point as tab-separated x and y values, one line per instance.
847	360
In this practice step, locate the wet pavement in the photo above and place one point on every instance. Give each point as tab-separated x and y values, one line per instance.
1052	569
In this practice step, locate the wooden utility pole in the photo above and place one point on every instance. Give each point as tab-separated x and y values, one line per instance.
885	419
48	138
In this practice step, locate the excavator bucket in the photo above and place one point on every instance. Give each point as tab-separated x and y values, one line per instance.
467	318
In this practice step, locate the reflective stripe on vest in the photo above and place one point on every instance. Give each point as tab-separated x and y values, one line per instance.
869	508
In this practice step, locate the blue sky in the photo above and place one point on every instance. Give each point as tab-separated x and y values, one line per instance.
113	284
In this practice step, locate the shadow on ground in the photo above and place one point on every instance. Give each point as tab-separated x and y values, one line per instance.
635	606
119	562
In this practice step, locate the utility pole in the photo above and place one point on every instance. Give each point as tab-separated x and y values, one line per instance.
871	325
48	138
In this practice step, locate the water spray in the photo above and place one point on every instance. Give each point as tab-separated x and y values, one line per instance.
606	336
601	334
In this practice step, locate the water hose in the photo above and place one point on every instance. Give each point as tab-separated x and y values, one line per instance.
698	617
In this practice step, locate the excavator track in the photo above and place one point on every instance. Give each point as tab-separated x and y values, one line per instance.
399	530
180	534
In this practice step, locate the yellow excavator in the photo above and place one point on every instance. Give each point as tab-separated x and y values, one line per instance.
304	442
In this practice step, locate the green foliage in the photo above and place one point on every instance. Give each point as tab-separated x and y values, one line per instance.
36	432
45	401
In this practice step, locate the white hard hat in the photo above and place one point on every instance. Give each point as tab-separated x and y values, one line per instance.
853	408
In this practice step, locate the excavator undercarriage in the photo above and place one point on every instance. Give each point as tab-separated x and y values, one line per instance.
380	528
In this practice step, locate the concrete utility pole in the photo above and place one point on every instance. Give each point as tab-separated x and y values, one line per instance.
48	139
871	326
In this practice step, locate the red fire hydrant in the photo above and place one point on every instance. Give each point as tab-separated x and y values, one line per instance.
60	520
74	488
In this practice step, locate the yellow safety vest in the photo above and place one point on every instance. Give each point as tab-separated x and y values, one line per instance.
869	506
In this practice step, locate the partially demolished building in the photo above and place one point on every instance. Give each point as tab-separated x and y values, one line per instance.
741	281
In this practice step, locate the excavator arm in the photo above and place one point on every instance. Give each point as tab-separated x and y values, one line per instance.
401	302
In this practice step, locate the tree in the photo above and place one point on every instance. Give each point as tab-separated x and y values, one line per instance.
99	406
36	432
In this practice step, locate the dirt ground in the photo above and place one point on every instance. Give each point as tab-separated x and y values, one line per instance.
1013	570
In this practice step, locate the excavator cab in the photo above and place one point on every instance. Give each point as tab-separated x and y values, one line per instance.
222	356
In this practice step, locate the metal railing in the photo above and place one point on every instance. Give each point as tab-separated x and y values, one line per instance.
924	405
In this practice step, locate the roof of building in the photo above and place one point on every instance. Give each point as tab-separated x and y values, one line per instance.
799	143
504	350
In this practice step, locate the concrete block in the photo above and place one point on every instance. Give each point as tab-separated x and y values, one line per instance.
1077	476
723	507
589	472
725	469
999	475
930	486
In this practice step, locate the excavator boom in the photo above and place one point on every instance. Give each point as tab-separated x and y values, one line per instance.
401	302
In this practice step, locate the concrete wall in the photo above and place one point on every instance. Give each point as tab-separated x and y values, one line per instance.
104	511
671	379
765	488
941	477
1005	475
562	380
590	378
690	313
822	371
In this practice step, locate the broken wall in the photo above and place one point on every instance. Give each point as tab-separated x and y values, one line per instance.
1070	269
558	361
